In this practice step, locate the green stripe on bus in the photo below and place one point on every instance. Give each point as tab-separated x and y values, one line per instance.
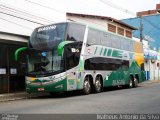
117	53
61	46
105	50
17	52
101	50
109	52
95	51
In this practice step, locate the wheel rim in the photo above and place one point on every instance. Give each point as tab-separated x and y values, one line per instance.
87	86
98	85
130	84
135	82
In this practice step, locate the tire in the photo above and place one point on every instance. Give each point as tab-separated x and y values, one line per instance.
130	83
87	86
98	85
135	82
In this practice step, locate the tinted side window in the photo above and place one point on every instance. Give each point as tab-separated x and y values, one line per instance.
131	46
75	32
100	63
105	39
72	54
115	42
93	37
125	44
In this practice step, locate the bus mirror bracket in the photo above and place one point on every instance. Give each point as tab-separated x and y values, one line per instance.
61	47
16	54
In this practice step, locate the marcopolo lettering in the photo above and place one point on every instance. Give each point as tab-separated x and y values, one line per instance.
46	28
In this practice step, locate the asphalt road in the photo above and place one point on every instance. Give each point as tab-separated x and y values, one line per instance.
143	99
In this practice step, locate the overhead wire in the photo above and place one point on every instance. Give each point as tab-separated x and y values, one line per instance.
16	24
127	11
6	7
105	2
53	9
124	10
21	18
58	11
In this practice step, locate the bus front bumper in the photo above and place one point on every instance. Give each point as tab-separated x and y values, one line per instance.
59	86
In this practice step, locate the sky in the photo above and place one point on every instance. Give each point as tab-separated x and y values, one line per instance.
51	11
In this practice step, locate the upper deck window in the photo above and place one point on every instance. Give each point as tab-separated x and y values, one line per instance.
75	32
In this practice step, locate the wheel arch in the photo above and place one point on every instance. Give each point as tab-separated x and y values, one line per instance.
131	76
137	77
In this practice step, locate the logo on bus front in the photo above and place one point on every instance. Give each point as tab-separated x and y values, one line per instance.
46	28
89	51
74	50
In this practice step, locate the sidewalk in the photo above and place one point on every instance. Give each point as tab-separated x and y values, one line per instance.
24	95
18	96
150	81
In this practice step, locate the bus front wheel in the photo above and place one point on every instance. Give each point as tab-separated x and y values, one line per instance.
87	86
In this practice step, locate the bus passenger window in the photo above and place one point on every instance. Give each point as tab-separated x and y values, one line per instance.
93	37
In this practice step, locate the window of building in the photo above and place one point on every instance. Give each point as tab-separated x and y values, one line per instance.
112	28
120	31
128	34
12	76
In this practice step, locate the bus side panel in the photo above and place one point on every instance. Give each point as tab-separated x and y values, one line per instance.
52	87
119	77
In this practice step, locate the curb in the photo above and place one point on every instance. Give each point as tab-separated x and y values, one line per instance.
149	82
19	96
24	95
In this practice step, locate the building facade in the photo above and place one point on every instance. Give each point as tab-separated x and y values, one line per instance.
103	23
12	73
149	22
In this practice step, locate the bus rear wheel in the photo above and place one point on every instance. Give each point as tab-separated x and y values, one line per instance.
135	82
98	85
130	83
86	86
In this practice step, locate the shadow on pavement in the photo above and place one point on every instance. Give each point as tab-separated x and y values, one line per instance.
79	93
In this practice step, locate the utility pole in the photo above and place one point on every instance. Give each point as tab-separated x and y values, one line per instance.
141	28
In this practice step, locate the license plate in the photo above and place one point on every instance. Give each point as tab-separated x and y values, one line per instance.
40	89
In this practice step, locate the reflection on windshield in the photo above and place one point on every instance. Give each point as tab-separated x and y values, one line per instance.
42	63
47	37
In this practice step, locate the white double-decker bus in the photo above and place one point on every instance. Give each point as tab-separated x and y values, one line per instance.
71	56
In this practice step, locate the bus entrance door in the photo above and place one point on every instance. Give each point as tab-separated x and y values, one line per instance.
72	53
71	79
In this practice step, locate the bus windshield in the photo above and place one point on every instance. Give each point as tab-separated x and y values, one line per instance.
48	37
42	63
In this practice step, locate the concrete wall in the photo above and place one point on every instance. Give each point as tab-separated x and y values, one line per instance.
13	37
99	24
